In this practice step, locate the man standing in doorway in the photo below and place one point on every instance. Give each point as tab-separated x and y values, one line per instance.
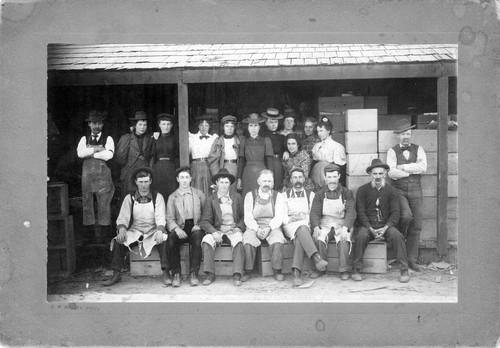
408	162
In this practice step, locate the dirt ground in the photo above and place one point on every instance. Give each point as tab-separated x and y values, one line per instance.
431	285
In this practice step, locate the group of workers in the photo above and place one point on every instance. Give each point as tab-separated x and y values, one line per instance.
241	190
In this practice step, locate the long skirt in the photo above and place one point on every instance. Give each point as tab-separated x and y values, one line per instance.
164	178
250	175
201	177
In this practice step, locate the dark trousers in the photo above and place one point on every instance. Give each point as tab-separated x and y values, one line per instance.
195	252
362	237
276	251
304	245
209	255
120	251
410	223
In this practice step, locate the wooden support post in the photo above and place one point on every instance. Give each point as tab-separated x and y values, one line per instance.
442	199
182	96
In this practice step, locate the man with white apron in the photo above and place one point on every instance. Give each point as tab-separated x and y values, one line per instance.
263	218
297	206
222	221
333	214
141	221
95	150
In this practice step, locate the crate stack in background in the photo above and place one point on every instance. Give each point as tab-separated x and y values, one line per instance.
361	144
60	233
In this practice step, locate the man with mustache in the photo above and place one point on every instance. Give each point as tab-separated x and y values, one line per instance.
297	206
378	209
263	219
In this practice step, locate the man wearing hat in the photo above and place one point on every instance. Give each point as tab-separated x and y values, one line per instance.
222	222
199	148
96	149
298	201
184	209
333	214
225	149
378	209
408	162
134	151
141	221
278	142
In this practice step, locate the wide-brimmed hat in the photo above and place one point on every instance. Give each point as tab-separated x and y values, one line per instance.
139	116
403	125
141	169
377	163
223	173
228	118
331	168
96	116
289	112
272	114
165	117
253	118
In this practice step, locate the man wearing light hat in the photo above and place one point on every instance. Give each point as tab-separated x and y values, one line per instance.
134	151
96	149
378	211
333	214
408	162
278	141
222	221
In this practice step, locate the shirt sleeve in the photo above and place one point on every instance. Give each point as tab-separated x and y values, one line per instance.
170	216
316	211
123	219
339	156
107	154
420	166
395	173
160	213
284	209
250	221
277	220
82	150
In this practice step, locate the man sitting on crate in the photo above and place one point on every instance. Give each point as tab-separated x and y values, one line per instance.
222	221
263	218
297	206
333	214
141	221
378	208
183	218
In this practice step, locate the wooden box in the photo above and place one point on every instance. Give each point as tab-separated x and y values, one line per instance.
339	104
339	137
149	266
57	198
429	229
379	103
361	120
357	163
355	181
429	207
223	261
60	244
361	142
423	137
264	259
336	119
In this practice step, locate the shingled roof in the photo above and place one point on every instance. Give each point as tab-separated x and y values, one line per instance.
181	56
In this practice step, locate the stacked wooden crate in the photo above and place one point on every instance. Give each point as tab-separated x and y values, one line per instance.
334	109
60	232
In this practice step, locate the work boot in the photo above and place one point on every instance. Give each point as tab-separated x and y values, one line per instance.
278	275
237	279
414	266
246	276
193	279
209	279
319	262
404	277
115	278
313	274
167	279
177	280
296	277
344	275
356	276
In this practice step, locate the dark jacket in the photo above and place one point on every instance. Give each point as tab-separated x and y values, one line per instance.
347	198
211	219
366	198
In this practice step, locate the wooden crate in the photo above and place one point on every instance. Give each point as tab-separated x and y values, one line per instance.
149	266
424	137
429	208
355	181
429	229
339	137
379	103
357	163
264	259
429	185
361	120
60	244
361	142
340	104
57	198
223	261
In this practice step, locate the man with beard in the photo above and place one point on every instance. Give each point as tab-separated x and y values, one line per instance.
378	209
332	218
297	206
263	218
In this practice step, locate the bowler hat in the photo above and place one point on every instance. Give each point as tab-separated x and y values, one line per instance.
403	125
377	163
139	116
331	168
228	118
272	114
253	118
96	116
141	169
223	173
165	117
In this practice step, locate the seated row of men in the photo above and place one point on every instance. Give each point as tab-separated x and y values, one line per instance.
310	219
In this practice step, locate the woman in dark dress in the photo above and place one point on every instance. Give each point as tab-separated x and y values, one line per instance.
255	152
165	157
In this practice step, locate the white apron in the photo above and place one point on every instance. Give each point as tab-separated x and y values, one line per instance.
333	216
297	205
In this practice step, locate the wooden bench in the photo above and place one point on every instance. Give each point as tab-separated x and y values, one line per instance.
149	266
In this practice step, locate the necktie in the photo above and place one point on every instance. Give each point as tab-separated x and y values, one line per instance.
405	148
299	194
228	136
95	138
204	136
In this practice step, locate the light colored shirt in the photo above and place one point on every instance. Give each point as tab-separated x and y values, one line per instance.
187	203
229	150
330	151
140	221
200	148
419	167
249	219
83	150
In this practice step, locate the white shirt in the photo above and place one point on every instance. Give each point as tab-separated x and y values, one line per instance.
419	167
200	148
330	151
84	151
229	150
249	219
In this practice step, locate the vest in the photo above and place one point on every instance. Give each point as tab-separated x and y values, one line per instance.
413	178
102	141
